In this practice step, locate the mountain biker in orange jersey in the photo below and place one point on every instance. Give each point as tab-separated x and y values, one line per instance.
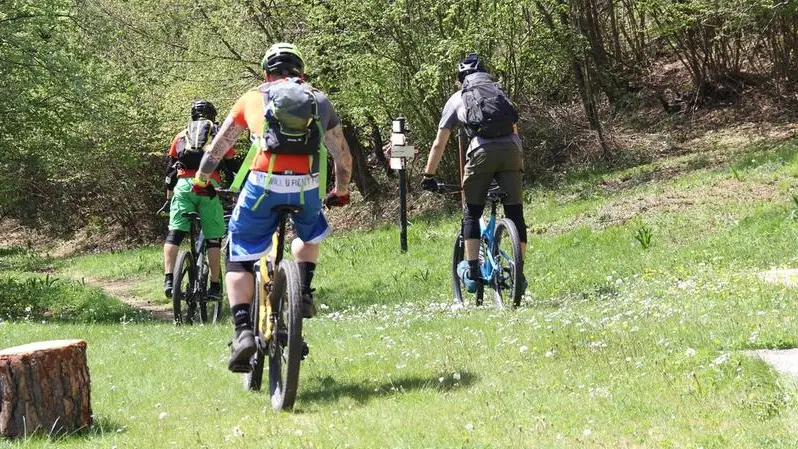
494	153
185	154
275	179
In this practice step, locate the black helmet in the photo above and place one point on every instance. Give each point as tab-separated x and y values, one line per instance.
283	58
203	108
470	64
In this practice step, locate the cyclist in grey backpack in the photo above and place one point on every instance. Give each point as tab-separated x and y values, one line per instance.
494	153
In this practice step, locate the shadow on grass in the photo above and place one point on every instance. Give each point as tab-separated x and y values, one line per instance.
328	389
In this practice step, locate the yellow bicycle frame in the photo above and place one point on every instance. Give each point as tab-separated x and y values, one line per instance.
265	305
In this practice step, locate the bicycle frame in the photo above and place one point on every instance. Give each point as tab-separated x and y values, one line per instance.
489	266
267	268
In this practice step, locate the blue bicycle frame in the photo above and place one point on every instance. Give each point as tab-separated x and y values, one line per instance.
489	267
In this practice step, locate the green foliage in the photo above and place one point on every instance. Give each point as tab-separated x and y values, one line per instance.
21	259
96	89
643	234
53	299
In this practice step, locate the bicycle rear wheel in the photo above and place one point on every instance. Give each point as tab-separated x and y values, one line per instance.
506	252
285	347
183	288
254	378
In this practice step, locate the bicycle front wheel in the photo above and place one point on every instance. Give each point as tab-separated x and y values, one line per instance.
202	288
183	288
285	347
458	255
506	253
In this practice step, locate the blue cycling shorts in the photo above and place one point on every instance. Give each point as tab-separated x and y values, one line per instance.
253	221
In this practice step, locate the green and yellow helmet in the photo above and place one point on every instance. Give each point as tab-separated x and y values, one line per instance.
283	58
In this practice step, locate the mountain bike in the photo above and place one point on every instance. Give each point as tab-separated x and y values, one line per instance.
191	280
500	258
276	315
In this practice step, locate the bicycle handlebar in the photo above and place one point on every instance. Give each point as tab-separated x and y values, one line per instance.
444	188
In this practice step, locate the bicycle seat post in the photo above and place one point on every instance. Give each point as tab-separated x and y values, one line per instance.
285	211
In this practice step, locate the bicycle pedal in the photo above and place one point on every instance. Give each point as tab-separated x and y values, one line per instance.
241	369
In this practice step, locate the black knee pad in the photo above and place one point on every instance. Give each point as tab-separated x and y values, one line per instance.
175	237
515	212
471	217
238	267
214	243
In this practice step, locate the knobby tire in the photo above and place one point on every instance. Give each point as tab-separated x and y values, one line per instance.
510	265
285	352
180	292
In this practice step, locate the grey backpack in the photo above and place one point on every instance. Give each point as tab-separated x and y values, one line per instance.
292	123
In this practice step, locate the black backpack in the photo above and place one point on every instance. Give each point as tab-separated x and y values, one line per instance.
489	113
197	135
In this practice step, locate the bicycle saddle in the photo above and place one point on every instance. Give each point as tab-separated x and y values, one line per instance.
496	193
190	215
287	208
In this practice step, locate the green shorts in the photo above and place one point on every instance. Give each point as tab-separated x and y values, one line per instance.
209	209
500	161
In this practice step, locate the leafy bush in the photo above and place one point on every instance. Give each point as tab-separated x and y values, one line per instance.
21	259
53	299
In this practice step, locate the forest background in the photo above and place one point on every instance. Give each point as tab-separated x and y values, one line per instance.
92	91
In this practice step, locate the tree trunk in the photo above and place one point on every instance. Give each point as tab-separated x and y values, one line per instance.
364	181
44	386
376	146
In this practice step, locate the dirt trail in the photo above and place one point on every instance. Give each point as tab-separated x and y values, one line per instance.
120	288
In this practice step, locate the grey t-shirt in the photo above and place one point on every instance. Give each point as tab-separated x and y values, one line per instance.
454	113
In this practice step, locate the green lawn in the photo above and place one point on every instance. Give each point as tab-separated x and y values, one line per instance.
615	345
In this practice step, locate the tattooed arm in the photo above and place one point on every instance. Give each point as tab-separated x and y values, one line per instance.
337	146
224	140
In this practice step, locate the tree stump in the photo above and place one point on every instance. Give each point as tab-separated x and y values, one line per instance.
45	387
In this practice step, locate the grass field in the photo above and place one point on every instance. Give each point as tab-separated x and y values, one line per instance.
643	294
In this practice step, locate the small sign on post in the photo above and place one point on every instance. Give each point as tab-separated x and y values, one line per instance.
401	153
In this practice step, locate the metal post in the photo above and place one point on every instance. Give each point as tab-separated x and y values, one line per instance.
401	153
403	209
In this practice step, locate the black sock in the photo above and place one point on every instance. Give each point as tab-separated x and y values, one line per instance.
306	270
215	286
241	316
168	277
473	269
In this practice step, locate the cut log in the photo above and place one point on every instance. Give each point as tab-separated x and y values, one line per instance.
44	387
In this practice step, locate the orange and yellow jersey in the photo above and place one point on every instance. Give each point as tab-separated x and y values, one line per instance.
248	112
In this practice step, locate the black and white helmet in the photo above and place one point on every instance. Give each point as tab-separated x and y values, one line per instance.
204	109
470	64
